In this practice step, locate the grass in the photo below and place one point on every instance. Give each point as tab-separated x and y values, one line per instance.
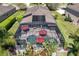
65	27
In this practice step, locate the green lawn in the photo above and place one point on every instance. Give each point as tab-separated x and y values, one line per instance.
65	27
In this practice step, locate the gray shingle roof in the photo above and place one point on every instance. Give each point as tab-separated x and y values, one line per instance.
40	10
4	9
73	9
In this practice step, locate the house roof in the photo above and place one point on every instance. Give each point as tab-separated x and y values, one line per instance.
40	10
73	9
5	9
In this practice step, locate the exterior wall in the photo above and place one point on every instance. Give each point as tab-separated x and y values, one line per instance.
7	14
73	18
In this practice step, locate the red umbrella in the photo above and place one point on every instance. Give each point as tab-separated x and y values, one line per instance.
24	27
40	40
43	32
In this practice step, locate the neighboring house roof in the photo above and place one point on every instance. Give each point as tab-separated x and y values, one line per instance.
40	10
5	9
73	9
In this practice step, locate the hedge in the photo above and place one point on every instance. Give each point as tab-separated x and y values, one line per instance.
7	23
14	28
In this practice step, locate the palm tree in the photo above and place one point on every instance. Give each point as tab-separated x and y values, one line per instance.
3	34
74	48
6	41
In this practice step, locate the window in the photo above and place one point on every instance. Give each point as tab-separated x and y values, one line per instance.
40	18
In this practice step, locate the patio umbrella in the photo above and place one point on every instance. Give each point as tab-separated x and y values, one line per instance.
39	39
31	39
24	27
43	32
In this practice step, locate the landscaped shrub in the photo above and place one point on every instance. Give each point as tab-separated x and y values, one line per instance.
8	43
20	15
3	52
2	34
19	18
68	19
55	16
